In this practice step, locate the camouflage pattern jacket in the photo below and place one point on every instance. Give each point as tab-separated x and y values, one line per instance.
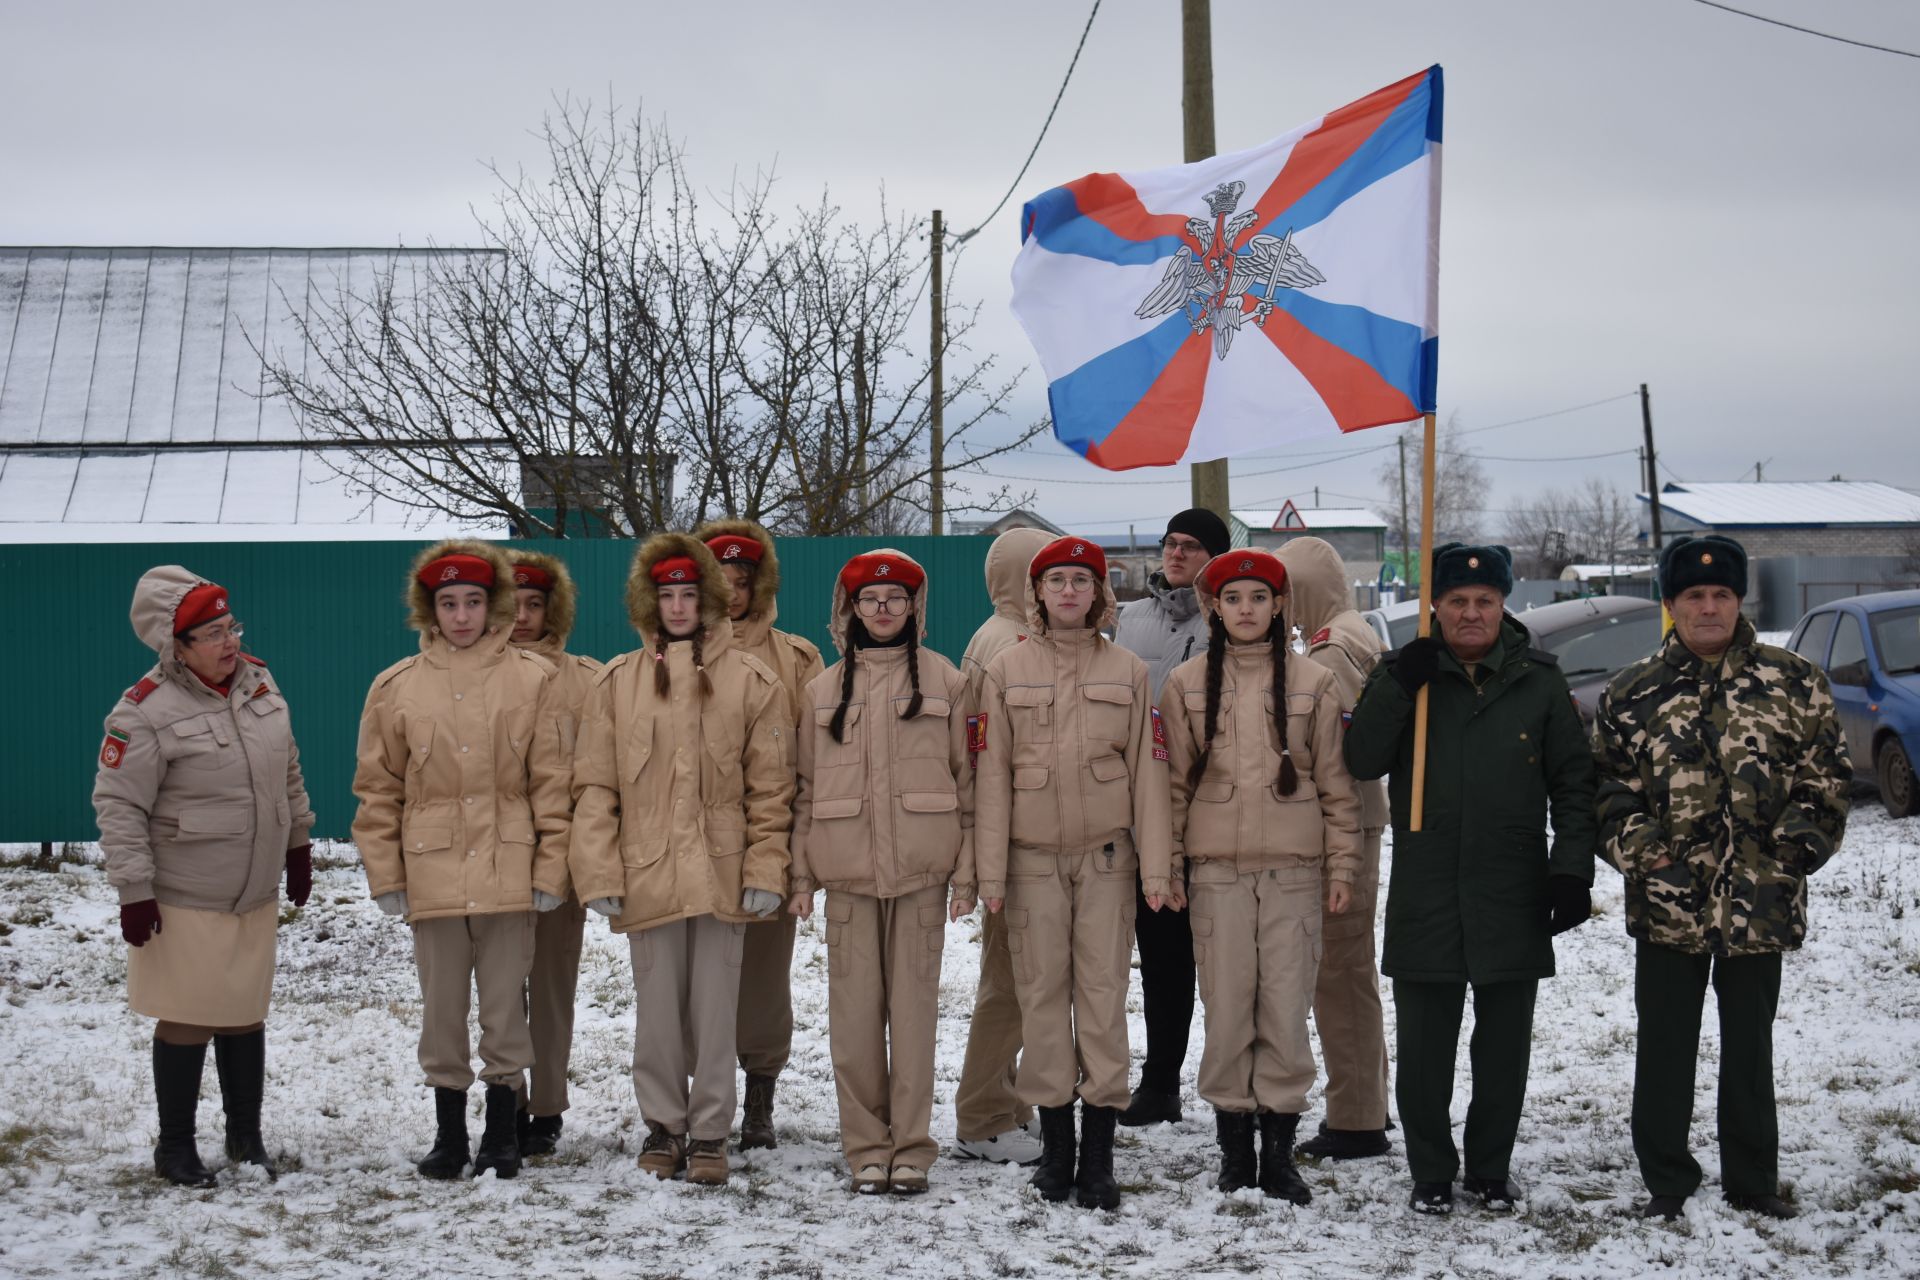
1734	771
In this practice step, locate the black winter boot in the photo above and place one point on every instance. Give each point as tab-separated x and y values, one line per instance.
1345	1144
242	1064
499	1141
449	1154
1093	1185
537	1135
1054	1174
756	1115
176	1090
1279	1177
1236	1150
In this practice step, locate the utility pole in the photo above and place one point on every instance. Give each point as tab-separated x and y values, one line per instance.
860	425
1196	114
1406	525
1653	470
937	478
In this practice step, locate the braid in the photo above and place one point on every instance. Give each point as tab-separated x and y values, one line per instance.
1278	637
1216	664
839	726
913	671
699	663
661	682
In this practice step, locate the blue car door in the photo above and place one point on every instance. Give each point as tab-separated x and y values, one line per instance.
1851	676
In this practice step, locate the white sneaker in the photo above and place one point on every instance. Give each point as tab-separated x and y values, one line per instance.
1015	1146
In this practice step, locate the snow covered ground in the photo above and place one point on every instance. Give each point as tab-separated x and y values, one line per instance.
348	1115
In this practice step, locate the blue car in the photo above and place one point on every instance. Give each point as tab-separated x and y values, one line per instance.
1869	646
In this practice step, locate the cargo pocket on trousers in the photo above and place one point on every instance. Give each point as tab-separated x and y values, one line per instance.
1202	939
933	932
736	945
839	957
1017	946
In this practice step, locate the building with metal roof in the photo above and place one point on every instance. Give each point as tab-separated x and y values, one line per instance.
1792	518
1357	534
133	405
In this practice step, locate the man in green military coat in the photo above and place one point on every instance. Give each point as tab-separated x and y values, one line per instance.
1475	895
1723	786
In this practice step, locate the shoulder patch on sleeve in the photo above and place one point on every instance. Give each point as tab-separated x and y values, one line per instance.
1320	637
976	736
258	662
1159	735
138	694
114	748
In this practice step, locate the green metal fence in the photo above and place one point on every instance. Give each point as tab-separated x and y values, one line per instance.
326	617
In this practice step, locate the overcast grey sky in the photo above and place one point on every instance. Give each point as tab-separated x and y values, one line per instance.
1636	190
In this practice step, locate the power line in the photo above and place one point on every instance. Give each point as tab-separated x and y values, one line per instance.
1045	125
1555	413
1824	35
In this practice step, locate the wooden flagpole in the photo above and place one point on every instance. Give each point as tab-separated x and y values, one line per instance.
1418	801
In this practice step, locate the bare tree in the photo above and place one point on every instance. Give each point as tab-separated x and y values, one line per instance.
1459	493
1593	524
624	353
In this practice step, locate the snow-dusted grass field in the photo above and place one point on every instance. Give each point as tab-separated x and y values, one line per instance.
348	1115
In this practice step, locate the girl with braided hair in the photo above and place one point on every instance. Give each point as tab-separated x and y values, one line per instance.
884	822
682	798
1263	805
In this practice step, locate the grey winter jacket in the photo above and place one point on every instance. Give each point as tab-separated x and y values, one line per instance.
1164	628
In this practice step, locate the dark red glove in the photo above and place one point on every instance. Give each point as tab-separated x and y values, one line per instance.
300	874
139	921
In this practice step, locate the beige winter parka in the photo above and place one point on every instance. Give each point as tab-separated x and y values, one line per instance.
1075	758
198	795
1006	569
888	810
682	799
573	673
1320	603
1237	812
794	660
462	777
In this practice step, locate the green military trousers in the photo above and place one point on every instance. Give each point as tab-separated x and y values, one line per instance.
1427	1019
1669	992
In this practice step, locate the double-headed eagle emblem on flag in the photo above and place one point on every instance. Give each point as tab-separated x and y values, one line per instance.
1214	275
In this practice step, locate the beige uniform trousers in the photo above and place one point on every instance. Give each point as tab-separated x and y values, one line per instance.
764	1029
1070	932
686	984
883	1007
550	991
1346	1005
1256	943
456	954
987	1102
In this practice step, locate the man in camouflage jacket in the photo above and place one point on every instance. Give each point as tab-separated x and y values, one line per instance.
1723	786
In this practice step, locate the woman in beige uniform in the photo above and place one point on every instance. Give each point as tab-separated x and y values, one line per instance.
884	820
1072	797
201	807
462	783
683	790
546	602
1263	807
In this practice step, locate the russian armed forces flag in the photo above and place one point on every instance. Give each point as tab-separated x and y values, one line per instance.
1216	308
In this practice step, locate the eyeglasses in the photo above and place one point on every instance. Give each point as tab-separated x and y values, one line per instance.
891	605
218	636
1185	546
1055	584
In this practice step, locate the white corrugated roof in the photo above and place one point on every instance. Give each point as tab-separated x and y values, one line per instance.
1314	518
1794	502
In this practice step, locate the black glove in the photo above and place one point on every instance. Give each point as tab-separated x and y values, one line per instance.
1418	661
1571	904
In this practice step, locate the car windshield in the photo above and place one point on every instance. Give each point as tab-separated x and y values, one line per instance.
1896	635
1604	647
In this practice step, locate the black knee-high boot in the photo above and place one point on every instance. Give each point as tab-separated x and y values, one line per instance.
242	1064
176	1089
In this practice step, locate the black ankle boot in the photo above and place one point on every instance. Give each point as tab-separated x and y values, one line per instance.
1093	1184
499	1141
1054	1174
537	1135
449	1154
1279	1177
756	1116
176	1090
1237	1169
242	1064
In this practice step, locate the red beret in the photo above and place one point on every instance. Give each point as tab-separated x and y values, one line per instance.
881	566
457	571
675	571
1235	565
532	575
1067	553
732	548
202	604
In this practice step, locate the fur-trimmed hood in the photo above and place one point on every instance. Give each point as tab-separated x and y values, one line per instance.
563	601
156	599
766	575
501	604
643	601
842	614
1102	617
